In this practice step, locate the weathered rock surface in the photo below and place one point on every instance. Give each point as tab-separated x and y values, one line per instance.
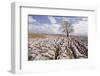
56	48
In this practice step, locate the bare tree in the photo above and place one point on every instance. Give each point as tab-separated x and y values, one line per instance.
66	28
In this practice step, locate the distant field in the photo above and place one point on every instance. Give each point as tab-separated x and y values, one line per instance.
34	35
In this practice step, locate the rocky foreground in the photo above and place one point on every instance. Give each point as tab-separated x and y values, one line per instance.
54	48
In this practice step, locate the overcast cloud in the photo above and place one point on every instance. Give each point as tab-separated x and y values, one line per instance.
51	24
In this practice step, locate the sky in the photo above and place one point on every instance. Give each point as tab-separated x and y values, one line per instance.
51	24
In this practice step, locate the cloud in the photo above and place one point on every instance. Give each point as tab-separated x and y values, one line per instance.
65	19
55	28
52	19
31	20
45	28
81	28
36	27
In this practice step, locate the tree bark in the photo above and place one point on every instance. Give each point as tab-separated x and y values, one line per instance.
67	34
